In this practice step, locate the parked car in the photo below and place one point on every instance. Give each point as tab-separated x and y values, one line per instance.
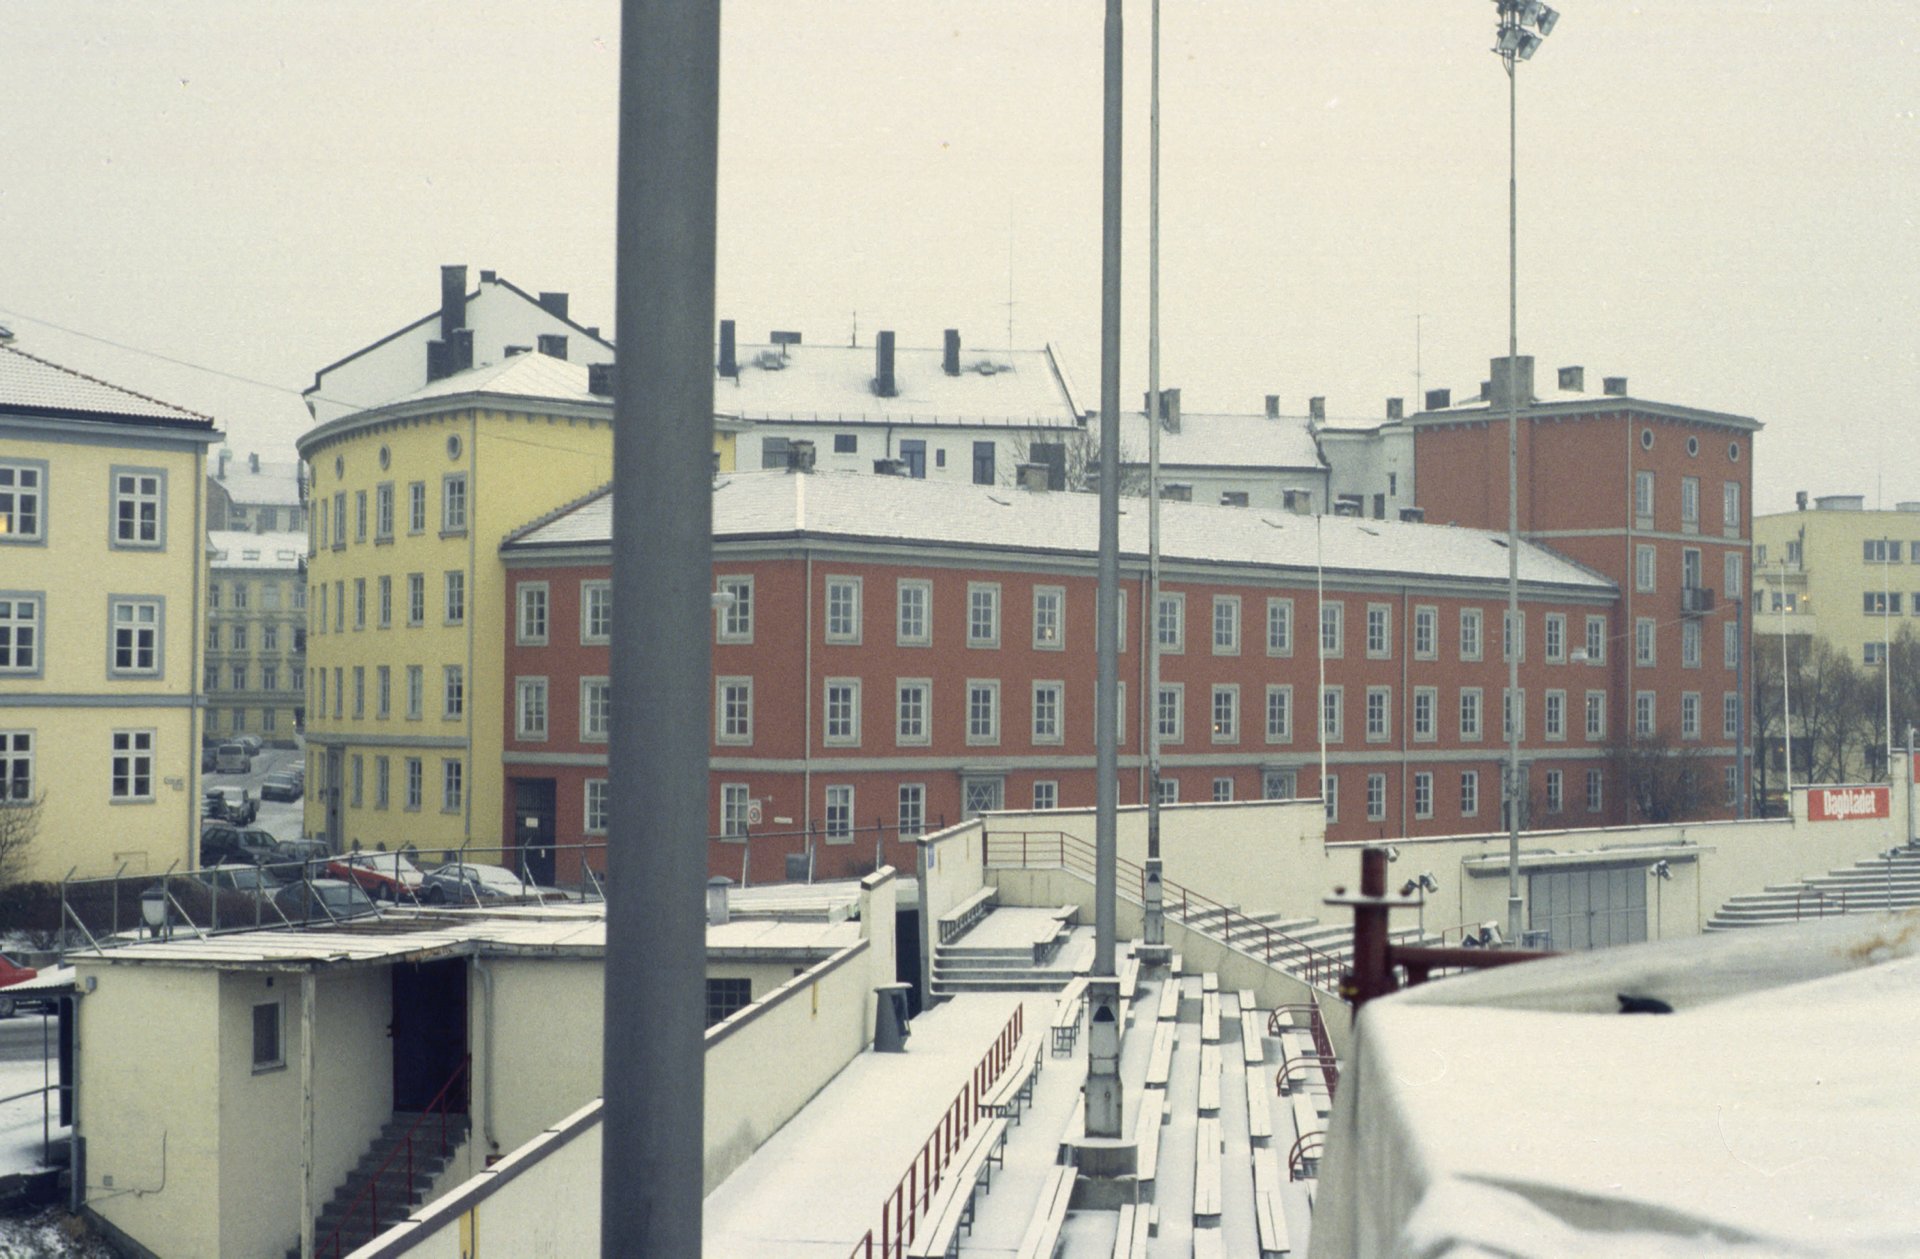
239	877
251	743
464	884
11	973
385	875
230	804
209	759
222	844
324	900
232	758
281	785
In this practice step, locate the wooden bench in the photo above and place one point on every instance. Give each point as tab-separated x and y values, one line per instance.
957	921
1015	1085
1259	1109
1050	1216
952	1206
1207	1244
1206	1170
1248	1002
1071	1135
1173	967
1160	1061
1209	1018
1130	1240
1307	1118
1146	1135
1209	982
1269	1218
1252	1048
1209	1079
1170	999
1066	1015
1129	987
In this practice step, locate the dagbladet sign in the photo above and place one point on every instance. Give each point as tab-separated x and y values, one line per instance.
1848	804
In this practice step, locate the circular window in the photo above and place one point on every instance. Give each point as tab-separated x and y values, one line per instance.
453	445
339	466
386	458
1693	446
1733	452
1646	439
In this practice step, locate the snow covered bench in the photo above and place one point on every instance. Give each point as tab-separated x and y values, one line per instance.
1160	1061
1015	1085
1130	1240
1066	1015
1206	1170
952	1204
1050	1216
957	921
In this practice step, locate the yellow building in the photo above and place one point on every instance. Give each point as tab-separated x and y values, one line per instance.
1838	572
256	635
102	520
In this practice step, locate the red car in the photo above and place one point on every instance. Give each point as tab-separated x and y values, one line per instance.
11	973
385	876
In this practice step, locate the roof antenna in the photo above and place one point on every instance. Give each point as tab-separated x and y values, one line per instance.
855	342
1009	284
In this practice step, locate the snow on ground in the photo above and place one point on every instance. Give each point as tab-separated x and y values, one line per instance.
21	1147
49	1233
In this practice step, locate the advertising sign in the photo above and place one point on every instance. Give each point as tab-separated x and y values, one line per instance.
1848	804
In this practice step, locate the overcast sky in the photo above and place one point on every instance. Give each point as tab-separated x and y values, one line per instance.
1717	199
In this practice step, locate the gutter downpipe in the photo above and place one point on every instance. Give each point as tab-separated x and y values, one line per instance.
486	1057
306	1113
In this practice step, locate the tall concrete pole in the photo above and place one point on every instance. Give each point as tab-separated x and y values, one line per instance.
1510	638
655	1008
1105	1113
1153	933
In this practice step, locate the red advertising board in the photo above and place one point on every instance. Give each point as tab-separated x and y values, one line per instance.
1848	804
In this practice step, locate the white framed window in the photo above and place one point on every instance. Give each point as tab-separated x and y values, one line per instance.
1279	627
1730	518
1423	794
1643	713
340	521
1873	653
1167	790
735	622
1332	706
911	818
357	776
383	688
416	784
382	779
456	591
360	516
1426	704
1279	784
359	603
1223	790
1690	714
1643	500
1279	713
530	626
1226	625
912	723
1226	714
1471	624
1513	635
841	713
1379	713
1690	644
416	691
596	709
385	604
359	687
1330	797
1513	710
983	614
1170	623
913	613
23	501
1596	640
1730	715
1594	800
1046	794
1556	791
416	507
16	766
1426	633
1689	504
1379	631
983	712
1643	568
132	774
596	807
1046	711
136	648
1376	797
1470	711
1333	633
416	600
1730	778
383	512
733	711
985	794
733	810
1169	711
1556	636
140	507
453	503
1049	618
1732	573
839	813
453	784
453	692
1555	724
1470	793
596	612
21	614
1643	629
1596	716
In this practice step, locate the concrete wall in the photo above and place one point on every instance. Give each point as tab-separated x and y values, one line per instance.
545	1057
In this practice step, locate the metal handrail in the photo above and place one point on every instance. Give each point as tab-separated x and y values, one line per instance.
442	1102
1307	1144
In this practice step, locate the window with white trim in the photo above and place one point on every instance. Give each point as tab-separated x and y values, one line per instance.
1596	640
596	612
1470	709
1279	627
839	813
736	612
1594	788
1513	634
1643	713
1379	631
1332	703
137	625
1470	793
139	507
1555	724
1223	790
1730	715
453	503
983	614
416	507
416	600
733	809
1596	716
1279	784
983	712
1426	633
1689	504
1170	622
1556	637
16	766
1643	630
1643	568
1376	797
1690	644
1169	712
416	691
1426	704
596	806
911	818
911	722
1333	618
416	784
1226	625
531	624
1379	713
1226	714
453	784
1049	618
913	615
1556	789
383	512
23	506
1046	711
453	692
1471	624
132	778
1690	714
733	711
1046	794
1513	709
1280	714
596	709
385	602
841	713
1330	797
20	618
456	584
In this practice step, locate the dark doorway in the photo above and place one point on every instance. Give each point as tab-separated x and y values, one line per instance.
429	1033
331	786
533	827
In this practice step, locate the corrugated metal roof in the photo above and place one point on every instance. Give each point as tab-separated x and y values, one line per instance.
861	506
1206	441
239	548
834	384
31	383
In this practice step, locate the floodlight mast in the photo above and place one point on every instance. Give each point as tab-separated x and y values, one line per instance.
1514	43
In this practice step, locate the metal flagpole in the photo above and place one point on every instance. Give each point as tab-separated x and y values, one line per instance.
1154	932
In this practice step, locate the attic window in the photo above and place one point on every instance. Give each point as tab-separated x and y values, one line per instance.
286	555
250	554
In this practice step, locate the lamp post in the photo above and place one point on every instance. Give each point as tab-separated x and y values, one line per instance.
1514	43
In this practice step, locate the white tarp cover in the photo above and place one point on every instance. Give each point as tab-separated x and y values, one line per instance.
1513	1112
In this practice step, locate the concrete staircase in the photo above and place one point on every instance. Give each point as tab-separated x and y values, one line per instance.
1249	933
352	1213
1872	886
960	967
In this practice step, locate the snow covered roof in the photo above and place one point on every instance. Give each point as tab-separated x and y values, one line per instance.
239	548
521	376
272	484
1549	400
833	384
1223	441
35	386
860	507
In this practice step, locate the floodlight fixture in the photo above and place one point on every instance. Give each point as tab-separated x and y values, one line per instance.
1427	882
1509	41
1660	870
1529	44
1545	20
1393	853
1409	887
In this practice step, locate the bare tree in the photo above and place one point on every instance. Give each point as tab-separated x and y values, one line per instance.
1081	449
1665	781
19	828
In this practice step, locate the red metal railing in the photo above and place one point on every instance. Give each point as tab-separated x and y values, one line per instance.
442	1104
1056	850
1322	1043
1309	1146
900	1213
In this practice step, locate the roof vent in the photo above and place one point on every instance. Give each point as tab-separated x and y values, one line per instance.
1316	408
600	379
253	461
769	360
1614	386
890	467
513	350
1573	379
729	365
1348	505
1273	406
1032	476
950	353
1439	399
554	344
799	456
1413	515
1396	408
883	385
554	304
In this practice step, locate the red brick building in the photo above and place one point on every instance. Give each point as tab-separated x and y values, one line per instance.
898	654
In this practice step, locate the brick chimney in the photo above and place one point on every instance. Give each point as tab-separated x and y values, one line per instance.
950	354
883	365
729	365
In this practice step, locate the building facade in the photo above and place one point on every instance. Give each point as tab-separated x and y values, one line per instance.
1838	572
255	496
256	635
102	517
947	662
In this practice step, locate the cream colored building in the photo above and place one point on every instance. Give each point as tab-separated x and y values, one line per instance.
256	635
102	520
1840	572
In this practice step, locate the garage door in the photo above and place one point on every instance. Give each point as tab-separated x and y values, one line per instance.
1590	908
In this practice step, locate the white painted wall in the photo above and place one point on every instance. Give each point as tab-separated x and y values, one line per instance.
545	1058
